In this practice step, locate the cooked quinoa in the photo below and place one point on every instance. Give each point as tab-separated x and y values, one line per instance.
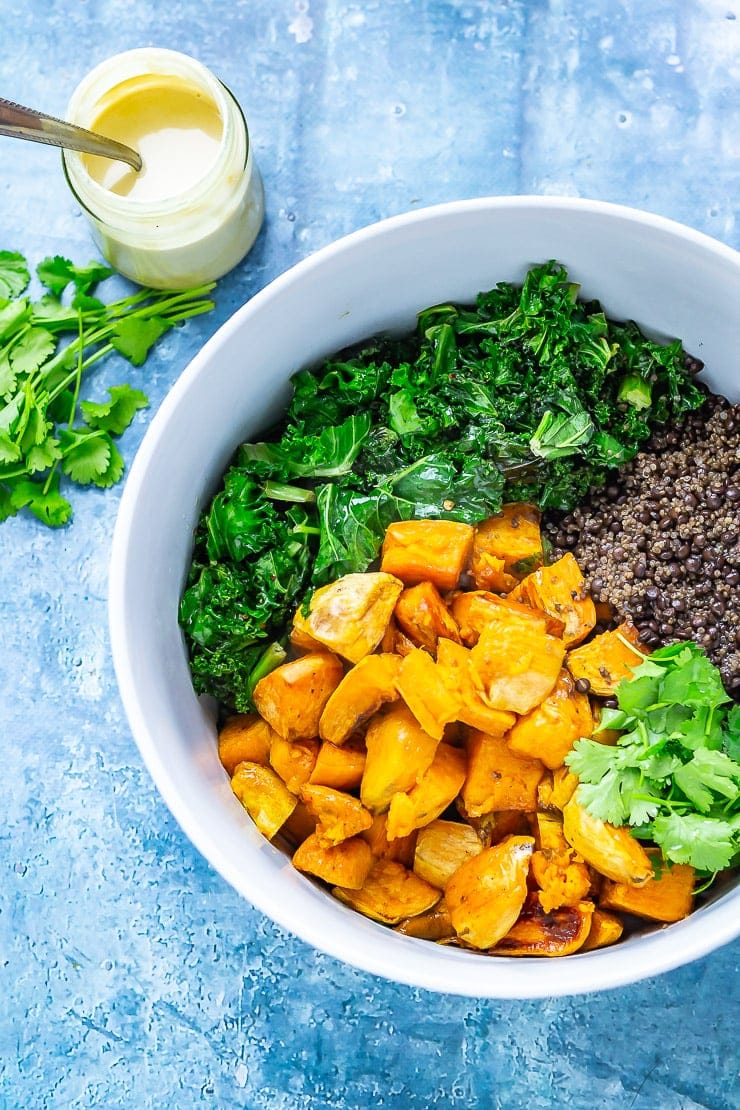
661	542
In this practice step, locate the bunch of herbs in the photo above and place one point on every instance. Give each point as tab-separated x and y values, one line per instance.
47	432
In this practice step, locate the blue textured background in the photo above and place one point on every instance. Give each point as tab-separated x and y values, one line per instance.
130	974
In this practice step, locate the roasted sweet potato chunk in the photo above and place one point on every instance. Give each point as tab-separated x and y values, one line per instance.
613	851
607	659
401	849
436	789
606	929
497	778
555	790
433	925
292	697
390	893
339	815
245	737
350	616
560	873
474	610
441	847
518	662
427	551
455	666
486	894
667	897
346	864
512	535
399	751
339	767
549	731
423	616
298	826
538	932
300	637
265	797
421	684
362	691
560	590
488	572
293	761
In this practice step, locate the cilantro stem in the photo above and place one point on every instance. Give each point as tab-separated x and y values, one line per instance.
636	651
50	477
78	374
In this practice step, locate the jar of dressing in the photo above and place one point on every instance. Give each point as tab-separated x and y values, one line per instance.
195	208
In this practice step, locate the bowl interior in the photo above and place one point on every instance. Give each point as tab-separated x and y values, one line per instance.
671	280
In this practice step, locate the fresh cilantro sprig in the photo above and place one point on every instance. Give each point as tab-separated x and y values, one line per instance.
674	773
47	433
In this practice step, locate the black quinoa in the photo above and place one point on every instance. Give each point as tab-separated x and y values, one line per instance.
661	541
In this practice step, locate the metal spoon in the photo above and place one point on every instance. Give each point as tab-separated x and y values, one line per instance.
25	123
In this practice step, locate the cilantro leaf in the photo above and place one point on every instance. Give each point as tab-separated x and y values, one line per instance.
7	509
47	505
35	429
693	680
689	780
639	692
8	376
32	350
133	337
708	844
592	761
113	471
731	738
57	273
10	451
85	277
716	772
48	311
13	314
10	412
604	798
14	275
115	415
42	456
86	455
611	719
85	303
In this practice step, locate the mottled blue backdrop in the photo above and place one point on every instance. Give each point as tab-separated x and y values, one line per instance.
130	974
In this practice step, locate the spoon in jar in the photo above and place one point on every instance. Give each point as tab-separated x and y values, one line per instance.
26	123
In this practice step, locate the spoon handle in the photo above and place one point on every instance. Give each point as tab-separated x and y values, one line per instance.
26	123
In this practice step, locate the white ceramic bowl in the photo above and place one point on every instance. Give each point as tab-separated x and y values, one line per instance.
670	279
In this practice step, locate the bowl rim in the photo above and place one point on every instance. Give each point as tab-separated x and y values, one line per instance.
649	958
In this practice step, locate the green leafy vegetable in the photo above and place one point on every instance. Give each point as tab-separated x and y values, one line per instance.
520	397
673	774
46	348
530	394
14	275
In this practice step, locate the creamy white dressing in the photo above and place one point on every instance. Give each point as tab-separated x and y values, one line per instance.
172	123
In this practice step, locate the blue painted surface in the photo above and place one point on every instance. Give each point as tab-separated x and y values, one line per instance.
130	974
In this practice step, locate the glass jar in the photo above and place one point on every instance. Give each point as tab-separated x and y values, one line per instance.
196	226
